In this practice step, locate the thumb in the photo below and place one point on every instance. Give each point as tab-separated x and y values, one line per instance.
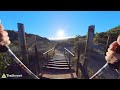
1	27
118	40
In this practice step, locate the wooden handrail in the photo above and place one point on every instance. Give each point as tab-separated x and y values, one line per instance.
48	51
69	52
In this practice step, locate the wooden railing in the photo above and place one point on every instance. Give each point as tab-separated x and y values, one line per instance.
80	66
69	52
47	52
69	56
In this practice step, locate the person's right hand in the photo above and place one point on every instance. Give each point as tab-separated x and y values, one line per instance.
111	56
4	39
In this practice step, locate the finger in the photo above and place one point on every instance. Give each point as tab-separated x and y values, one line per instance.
2	39
3	33
113	60
117	56
5	42
113	46
1	27
107	58
118	40
110	59
109	55
111	52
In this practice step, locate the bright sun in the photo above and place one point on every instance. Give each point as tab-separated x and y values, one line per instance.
60	34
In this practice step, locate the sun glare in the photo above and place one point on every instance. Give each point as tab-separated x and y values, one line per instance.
60	34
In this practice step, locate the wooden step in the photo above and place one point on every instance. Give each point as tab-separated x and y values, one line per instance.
60	66
60	76
64	63
56	71
56	67
59	61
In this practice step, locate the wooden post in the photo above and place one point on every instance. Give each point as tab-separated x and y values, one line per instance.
22	42
47	56
89	47
69	61
107	44
36	61
78	58
54	52
64	51
90	36
79	66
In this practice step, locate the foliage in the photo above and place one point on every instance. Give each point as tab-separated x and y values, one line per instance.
101	38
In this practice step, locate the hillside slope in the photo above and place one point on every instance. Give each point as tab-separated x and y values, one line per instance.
31	40
101	38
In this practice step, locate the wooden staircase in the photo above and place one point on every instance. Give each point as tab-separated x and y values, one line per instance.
58	68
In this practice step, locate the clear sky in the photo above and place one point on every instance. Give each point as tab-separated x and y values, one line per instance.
56	24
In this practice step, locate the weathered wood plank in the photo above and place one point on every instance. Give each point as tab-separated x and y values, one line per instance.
58	68
60	76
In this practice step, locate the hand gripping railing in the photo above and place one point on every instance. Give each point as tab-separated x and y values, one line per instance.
106	66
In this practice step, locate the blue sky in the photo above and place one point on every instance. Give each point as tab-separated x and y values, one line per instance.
49	23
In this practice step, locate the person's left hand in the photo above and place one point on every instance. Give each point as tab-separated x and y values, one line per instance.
4	38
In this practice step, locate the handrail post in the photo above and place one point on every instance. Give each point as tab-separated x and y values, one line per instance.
36	61
54	51
78	58
22	42
69	56
47	58
64	51
108	43
69	61
47	55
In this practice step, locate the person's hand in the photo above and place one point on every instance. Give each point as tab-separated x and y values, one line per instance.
4	39
111	56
